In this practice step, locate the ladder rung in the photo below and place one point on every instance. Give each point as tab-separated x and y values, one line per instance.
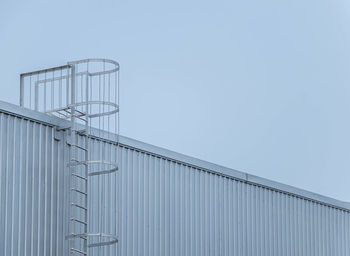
79	191
75	162
77	146
79	206
79	115
83	131
80	112
79	221
72	235
78	251
78	176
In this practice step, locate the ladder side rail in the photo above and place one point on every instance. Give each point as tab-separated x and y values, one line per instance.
86	142
73	155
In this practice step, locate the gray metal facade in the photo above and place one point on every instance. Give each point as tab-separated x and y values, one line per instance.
163	203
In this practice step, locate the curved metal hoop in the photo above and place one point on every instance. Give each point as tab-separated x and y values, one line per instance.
111	238
109	71
105	171
95	102
113	165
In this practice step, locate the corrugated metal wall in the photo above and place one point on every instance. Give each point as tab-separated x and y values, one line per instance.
31	188
165	207
173	209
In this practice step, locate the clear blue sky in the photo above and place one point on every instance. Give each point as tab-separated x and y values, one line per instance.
258	86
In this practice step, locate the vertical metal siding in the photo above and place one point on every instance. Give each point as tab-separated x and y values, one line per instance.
168	208
31	188
158	206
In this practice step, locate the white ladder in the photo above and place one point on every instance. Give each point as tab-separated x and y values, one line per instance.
86	93
79	170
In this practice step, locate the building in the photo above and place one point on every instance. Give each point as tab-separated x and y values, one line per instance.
157	203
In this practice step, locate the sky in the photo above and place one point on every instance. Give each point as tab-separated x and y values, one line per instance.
258	86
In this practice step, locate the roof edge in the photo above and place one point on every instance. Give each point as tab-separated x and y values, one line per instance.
181	158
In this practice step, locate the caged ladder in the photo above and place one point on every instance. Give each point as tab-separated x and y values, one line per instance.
88	98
